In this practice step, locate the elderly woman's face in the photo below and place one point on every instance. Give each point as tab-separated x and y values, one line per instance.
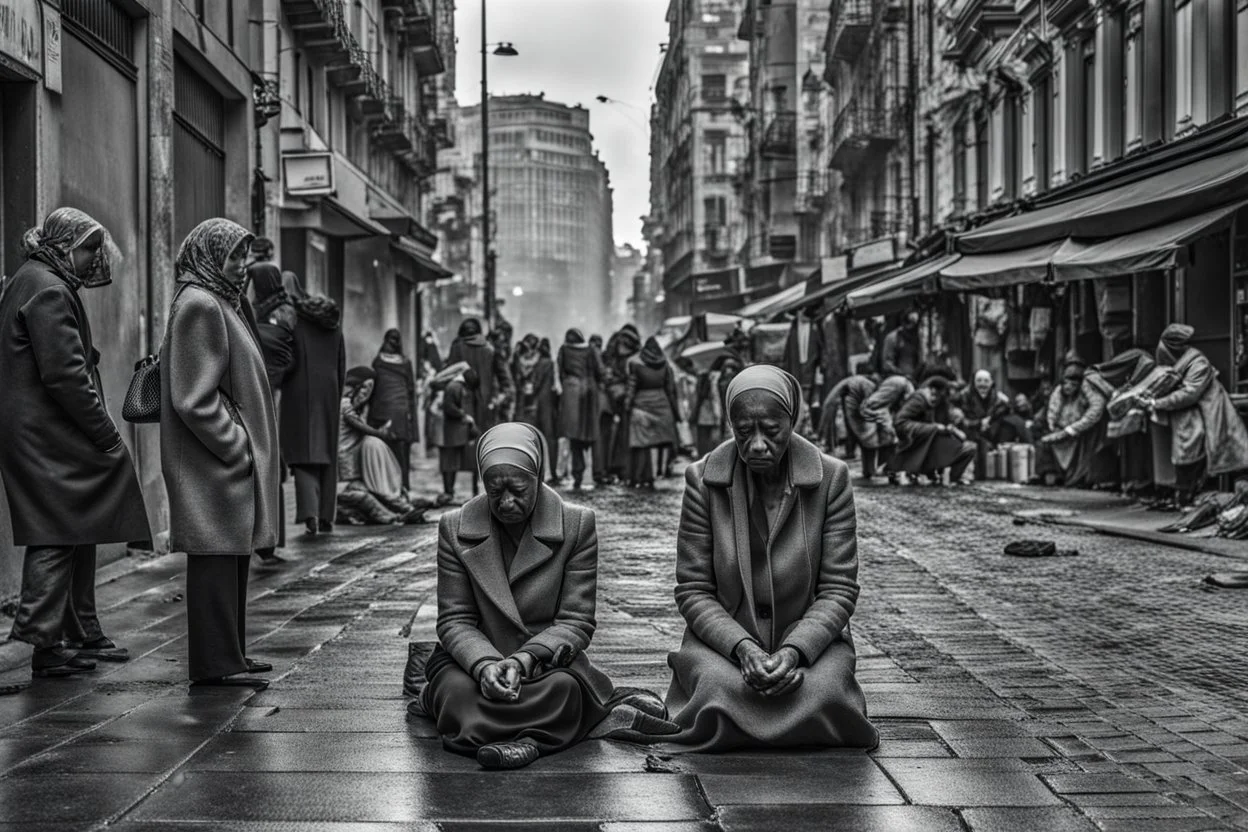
512	493
762	429
235	267
84	255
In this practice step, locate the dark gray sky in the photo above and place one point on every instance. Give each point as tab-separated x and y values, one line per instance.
575	50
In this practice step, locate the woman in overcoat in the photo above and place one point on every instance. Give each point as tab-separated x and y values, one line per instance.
311	399
580	374
767	580
517	590
491	368
394	401
67	474
652	410
1206	435
457	383
218	449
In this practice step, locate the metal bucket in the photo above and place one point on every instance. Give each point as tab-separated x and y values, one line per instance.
1020	463
992	464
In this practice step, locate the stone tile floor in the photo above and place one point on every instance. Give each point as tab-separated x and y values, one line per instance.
1105	691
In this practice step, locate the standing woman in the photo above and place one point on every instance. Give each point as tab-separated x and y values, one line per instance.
767	580
548	404
67	474
218	449
580	373
652	410
394	401
490	368
311	403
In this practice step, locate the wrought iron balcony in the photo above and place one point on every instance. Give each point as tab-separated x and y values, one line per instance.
849	28
780	136
320	27
866	129
422	158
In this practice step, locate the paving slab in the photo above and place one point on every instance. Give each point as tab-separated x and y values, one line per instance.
1054	819
968	783
855	818
1000	747
735	779
37	798
1096	784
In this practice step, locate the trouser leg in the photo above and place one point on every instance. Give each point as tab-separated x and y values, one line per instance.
448	482
307	491
216	594
327	484
578	460
405	462
81	622
962	461
868	462
47	572
244	573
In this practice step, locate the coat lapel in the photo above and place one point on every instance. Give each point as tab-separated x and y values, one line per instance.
741	537
545	528
484	560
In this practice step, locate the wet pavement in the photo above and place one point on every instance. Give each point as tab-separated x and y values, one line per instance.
1103	691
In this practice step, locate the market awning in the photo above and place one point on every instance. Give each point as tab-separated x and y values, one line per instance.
765	307
427	269
899	291
1161	247
1007	268
835	291
1159	199
765	278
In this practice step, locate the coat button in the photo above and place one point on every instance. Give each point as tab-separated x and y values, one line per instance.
764	611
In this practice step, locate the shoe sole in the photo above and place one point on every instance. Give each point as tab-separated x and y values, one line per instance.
106	655
60	672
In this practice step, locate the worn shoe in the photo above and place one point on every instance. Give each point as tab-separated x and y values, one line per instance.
102	649
324	527
258	667
507	755
643	700
310	525
231	682
629	724
52	662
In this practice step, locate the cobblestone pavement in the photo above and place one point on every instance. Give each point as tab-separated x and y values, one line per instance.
1105	690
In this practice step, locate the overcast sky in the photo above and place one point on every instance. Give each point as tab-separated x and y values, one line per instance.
575	50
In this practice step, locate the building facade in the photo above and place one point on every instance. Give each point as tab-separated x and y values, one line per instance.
551	207
698	149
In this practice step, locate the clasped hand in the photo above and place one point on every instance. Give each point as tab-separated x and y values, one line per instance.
500	681
772	674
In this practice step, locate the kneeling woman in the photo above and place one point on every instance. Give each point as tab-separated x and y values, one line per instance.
766	579
517	590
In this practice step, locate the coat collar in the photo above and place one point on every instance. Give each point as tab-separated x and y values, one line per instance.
805	459
476	522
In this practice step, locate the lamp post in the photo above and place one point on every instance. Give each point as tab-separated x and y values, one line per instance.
507	50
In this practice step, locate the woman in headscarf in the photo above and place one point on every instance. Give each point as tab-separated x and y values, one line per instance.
533	372
455	385
928	439
394	401
1127	420
1199	433
275	314
766	580
371	485
613	426
517	587
311	403
652	410
218	449
491	368
580	373
1076	423
68	476
293	286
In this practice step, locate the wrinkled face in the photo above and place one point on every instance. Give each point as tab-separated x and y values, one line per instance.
84	256
511	492
235	268
983	383
761	428
1070	386
363	393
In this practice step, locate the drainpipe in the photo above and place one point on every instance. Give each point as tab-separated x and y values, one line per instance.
911	117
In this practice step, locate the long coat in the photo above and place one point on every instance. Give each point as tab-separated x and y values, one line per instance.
312	395
813	550
68	476
545	606
922	446
580	374
394	398
494	377
1203	421
218	431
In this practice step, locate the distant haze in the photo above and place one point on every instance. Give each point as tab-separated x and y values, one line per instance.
574	51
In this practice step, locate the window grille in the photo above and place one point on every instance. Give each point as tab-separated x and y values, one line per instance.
105	26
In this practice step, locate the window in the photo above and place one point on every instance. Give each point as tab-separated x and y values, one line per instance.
1133	80
229	21
981	162
310	111
1041	137
297	93
1182	74
715	148
714	88
959	167
1090	111
1241	55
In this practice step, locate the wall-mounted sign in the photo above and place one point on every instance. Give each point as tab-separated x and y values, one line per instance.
308	174
51	49
709	285
21	32
876	253
832	269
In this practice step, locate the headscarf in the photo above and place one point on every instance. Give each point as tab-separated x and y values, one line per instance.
777	383
356	377
595	341
62	231
1174	342
652	354
574	338
512	443
293	286
544	348
527	355
469	328
396	335
266	280
201	259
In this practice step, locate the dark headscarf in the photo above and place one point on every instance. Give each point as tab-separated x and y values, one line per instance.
398	339
1126	368
201	259
513	443
356	376
266	280
773	381
574	337
1175	341
544	348
595	341
529	343
293	286
470	327
62	231
652	354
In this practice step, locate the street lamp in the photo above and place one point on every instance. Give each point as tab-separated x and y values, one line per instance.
506	50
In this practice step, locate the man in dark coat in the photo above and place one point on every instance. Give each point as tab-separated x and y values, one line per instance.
901	354
311	400
929	441
496	388
67	473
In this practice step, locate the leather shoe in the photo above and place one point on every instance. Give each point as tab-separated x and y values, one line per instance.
57	661
643	700
258	667
507	755
102	648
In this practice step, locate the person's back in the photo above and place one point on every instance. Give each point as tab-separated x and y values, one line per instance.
314	388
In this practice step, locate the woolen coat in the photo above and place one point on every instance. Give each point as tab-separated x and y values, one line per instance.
394	398
813	551
67	474
580	374
494	377
1203	421
218	431
545	605
313	391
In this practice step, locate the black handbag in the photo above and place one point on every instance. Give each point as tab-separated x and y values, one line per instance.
142	405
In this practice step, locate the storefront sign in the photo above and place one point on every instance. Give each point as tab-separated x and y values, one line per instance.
715	284
832	269
51	49
21	32
877	253
308	174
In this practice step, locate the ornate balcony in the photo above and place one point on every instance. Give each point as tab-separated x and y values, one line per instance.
849	28
780	136
866	129
422	158
320	27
